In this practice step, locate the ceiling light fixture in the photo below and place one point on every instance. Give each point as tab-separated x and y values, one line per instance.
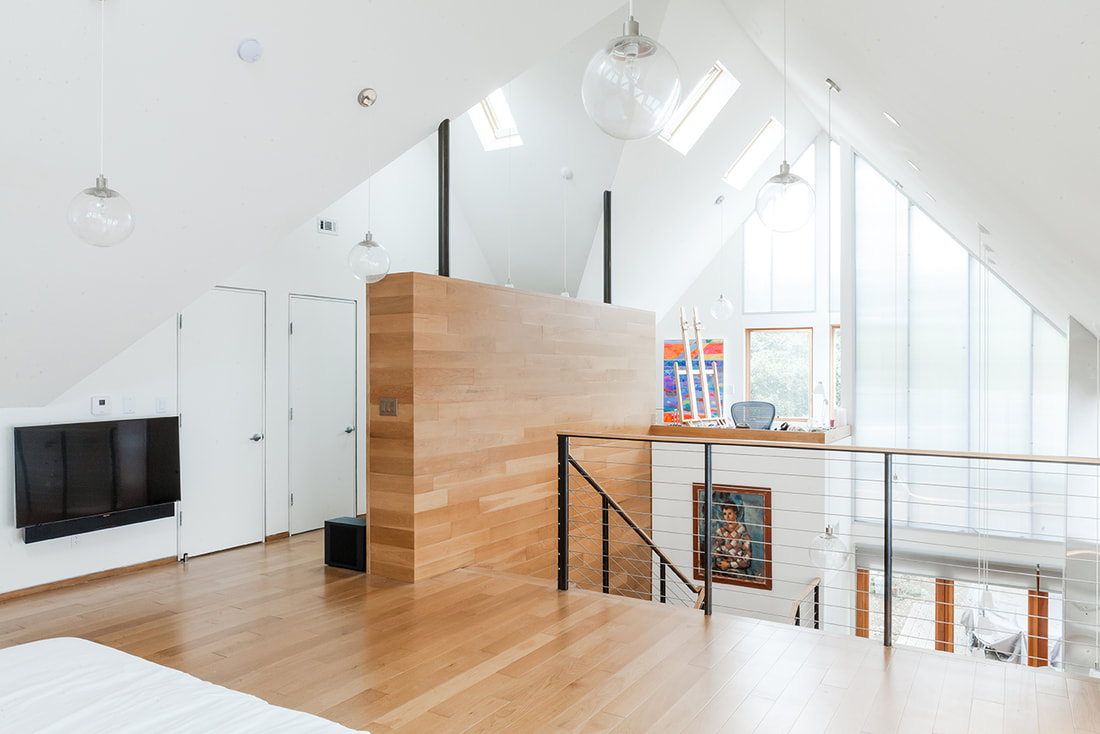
100	215
891	118
631	87
368	260
786	201
721	309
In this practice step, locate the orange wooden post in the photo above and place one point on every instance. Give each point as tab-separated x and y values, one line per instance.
1038	606
863	602
945	615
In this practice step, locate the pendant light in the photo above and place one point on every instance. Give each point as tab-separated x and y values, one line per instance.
828	551
100	215
368	260
786	201
721	309
631	87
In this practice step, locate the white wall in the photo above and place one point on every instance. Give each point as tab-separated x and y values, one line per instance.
306	262
801	484
147	372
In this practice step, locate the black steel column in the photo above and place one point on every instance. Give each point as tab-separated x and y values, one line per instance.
563	512
817	607
607	247
888	551
708	536
445	198
664	591
606	547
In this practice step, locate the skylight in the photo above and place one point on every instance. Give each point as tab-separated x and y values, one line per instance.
699	109
754	155
494	123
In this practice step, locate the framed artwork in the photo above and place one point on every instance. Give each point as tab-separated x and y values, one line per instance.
712	356
740	527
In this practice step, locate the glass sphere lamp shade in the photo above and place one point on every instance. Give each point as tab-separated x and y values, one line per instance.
101	216
631	87
722	308
786	202
368	260
827	551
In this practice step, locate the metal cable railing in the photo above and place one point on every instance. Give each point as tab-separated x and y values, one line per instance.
988	554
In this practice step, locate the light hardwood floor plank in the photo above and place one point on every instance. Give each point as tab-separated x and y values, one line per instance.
481	651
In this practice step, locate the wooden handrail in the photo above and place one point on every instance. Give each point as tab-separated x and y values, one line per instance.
801	598
1071	460
637	529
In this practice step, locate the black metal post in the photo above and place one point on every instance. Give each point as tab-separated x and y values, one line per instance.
888	551
664	591
817	607
445	198
708	536
563	512
607	247
606	547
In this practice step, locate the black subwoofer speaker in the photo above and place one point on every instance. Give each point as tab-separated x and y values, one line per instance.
346	543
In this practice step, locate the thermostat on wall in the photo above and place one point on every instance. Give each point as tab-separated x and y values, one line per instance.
101	405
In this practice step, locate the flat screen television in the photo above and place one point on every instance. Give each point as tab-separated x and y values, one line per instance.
76	477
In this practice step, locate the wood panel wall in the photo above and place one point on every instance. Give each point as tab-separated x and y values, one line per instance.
485	377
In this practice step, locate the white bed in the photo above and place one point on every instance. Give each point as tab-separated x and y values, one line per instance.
70	685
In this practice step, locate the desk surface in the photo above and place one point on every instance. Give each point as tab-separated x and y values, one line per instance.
748	434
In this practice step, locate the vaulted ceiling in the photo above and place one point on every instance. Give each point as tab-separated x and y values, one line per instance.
219	158
996	104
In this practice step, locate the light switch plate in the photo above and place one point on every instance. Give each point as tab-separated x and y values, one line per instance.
162	405
101	405
387	406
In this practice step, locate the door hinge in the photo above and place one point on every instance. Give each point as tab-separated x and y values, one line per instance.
292	499
292	328
292	414
179	321
181	518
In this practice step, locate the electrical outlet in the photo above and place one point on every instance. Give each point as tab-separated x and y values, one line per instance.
129	404
74	541
387	406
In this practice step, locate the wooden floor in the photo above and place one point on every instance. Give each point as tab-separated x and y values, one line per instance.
483	652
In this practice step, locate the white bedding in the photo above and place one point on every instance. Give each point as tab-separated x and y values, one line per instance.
71	685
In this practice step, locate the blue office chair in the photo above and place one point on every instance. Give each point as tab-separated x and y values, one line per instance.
755	413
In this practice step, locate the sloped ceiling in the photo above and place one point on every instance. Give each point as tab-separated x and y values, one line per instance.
219	158
998	105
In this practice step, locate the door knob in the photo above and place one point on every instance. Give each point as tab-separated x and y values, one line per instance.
349	429
256	437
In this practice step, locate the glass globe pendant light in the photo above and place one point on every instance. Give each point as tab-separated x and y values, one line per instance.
100	215
786	201
828	551
368	260
631	87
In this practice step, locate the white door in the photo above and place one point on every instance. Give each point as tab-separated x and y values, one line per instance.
222	421
323	433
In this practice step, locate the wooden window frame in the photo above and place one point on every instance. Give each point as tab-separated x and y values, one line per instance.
748	368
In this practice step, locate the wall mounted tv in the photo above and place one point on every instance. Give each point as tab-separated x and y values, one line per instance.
77	477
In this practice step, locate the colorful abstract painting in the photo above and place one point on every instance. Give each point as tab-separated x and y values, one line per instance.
674	353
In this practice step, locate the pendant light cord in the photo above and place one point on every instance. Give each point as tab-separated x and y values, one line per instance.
370	172
784	81
631	11
564	235
102	26
508	233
